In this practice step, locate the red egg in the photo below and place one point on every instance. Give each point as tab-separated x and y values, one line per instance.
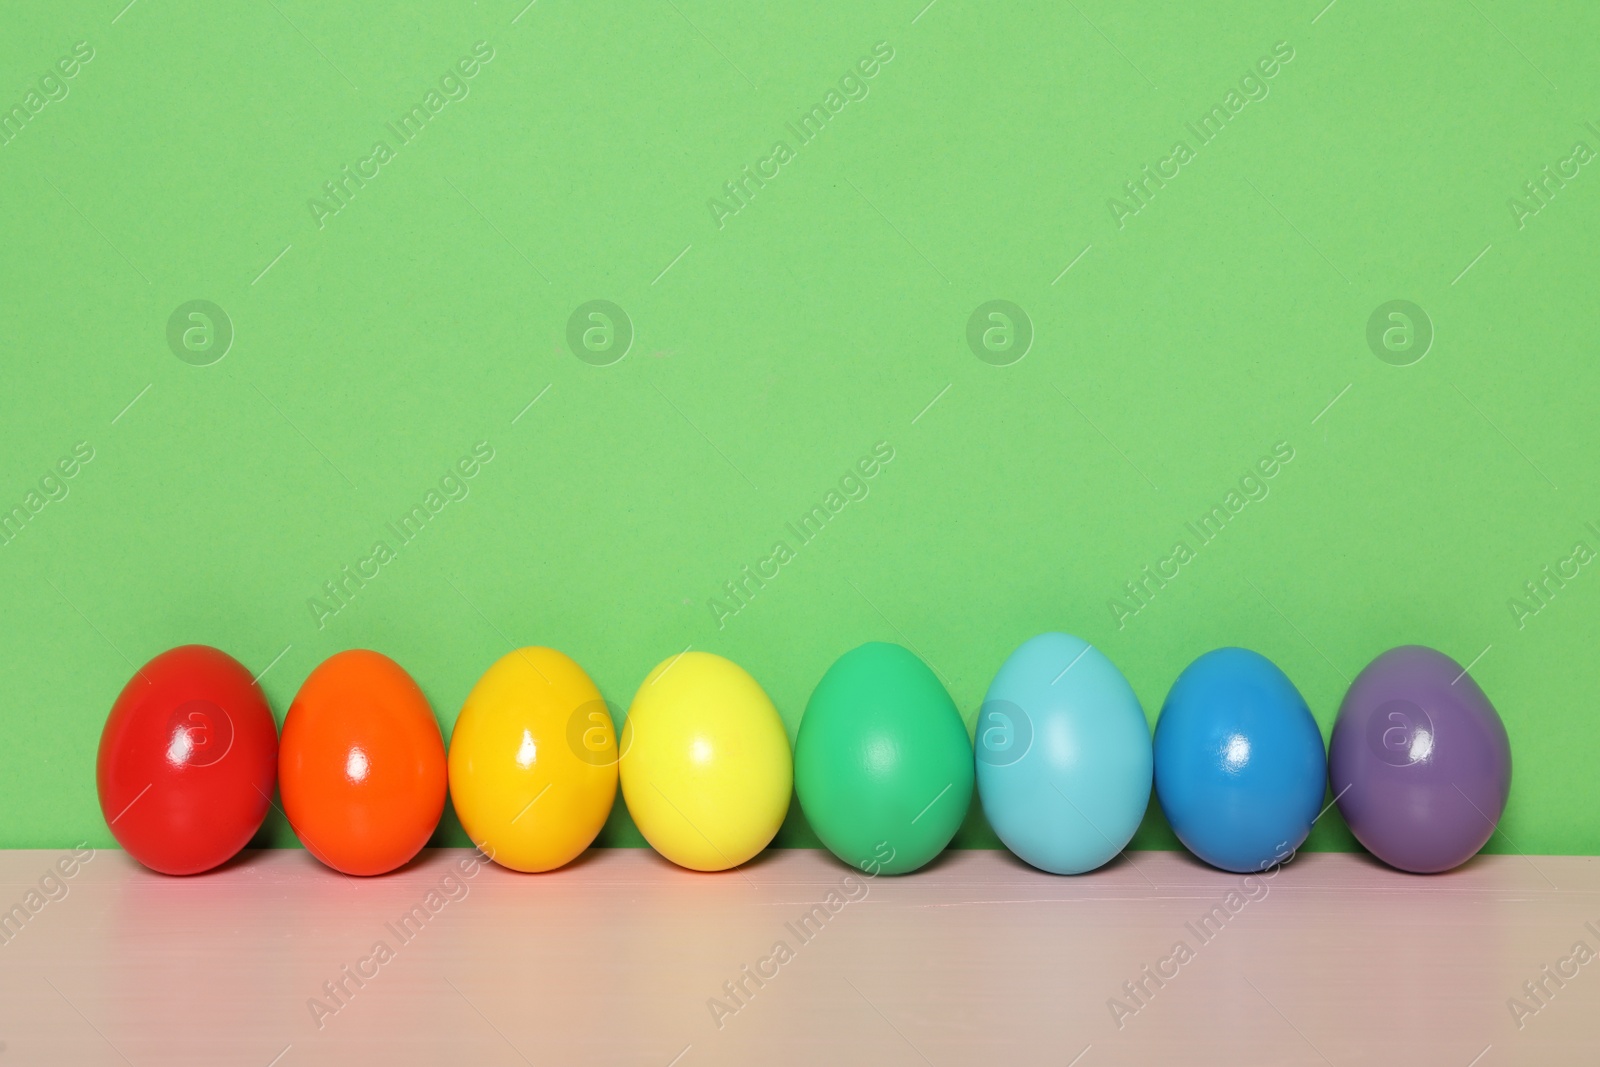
187	761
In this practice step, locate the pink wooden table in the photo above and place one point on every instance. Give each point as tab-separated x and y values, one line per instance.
622	958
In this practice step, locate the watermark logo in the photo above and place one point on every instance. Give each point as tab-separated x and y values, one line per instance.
1544	187
52	87
199	333
1005	733
53	486
1252	487
52	887
740	591
1537	993
340	591
1253	87
453	86
1399	333
599	333
339	992
741	990
1139	992
999	333
1400	733
200	734
592	733
740	191
1542	589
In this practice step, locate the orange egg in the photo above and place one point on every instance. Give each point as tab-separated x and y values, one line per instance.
361	764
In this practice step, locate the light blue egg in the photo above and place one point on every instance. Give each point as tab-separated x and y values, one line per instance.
1064	756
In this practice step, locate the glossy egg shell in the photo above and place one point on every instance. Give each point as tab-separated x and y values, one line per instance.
361	766
187	761
883	765
705	768
1063	755
533	761
1240	766
1420	761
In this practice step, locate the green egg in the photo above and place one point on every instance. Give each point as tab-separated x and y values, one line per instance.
882	764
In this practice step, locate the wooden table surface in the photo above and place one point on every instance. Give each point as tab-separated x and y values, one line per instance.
622	958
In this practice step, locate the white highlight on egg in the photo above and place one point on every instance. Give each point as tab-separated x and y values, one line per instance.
180	747
881	756
1421	746
356	765
1237	754
528	751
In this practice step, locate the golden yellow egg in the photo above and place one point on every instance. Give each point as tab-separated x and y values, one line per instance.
533	761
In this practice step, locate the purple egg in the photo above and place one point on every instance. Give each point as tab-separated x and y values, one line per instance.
1419	762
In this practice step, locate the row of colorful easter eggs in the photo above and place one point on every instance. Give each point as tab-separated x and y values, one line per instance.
1419	762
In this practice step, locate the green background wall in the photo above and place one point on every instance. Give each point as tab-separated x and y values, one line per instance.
774	346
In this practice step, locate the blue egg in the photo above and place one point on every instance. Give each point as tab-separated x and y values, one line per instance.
1240	765
1064	759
